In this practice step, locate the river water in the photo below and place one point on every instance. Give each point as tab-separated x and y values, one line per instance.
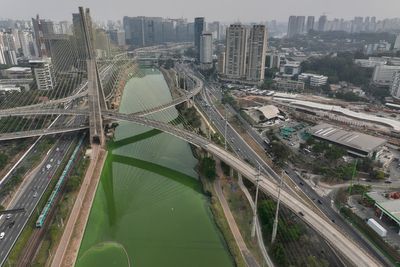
149	210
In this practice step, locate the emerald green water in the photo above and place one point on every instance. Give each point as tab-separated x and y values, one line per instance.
149	210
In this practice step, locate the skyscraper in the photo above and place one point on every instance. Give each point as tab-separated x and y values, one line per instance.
236	51
199	27
206	50
214	28
257	49
295	25
41	30
310	23
397	43
322	23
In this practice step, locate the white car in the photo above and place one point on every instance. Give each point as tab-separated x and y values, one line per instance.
8	216
2	235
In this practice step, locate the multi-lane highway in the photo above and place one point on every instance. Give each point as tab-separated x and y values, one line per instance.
243	150
30	194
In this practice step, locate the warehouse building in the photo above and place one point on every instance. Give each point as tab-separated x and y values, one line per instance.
356	144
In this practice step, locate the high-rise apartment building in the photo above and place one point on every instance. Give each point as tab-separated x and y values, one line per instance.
214	28
397	43
310	23
43	72
322	23
41	30
199	27
296	25
221	63
395	87
206	50
236	51
257	49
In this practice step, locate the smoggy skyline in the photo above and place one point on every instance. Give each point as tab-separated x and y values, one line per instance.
222	10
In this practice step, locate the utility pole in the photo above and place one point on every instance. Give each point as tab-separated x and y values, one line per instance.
275	227
253	229
352	177
226	126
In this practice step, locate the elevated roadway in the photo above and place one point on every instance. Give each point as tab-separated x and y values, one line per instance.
323	226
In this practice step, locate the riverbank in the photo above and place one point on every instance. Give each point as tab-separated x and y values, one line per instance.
170	77
120	86
149	208
70	241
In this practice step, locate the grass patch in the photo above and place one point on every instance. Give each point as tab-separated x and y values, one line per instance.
222	224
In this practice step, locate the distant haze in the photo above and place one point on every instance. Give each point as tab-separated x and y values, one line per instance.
222	10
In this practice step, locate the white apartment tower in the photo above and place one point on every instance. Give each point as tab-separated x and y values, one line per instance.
236	51
43	72
257	49
395	87
206	50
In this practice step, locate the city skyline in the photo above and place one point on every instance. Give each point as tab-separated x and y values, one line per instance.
249	11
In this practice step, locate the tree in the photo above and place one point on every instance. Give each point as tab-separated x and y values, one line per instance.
278	253
169	64
313	261
208	168
280	151
378	174
72	183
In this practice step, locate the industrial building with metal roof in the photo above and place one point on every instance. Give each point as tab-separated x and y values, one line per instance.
389	207
357	144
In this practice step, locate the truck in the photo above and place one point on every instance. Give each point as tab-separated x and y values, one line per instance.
48	166
379	229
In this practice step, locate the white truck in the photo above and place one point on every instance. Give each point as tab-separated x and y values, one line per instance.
379	229
48	166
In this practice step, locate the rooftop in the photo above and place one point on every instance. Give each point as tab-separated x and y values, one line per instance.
18	69
269	111
390	206
354	140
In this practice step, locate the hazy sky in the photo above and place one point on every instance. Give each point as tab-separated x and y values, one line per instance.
223	10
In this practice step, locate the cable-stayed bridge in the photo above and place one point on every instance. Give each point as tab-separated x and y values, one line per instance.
89	100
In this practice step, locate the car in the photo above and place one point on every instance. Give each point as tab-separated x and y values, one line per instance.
388	182
301	213
11	224
35	195
301	183
319	202
2	234
8	216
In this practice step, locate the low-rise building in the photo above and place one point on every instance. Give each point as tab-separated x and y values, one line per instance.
288	85
372	62
356	144
383	75
18	73
314	80
291	68
263	114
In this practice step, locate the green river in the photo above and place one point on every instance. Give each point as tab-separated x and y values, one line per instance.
149	210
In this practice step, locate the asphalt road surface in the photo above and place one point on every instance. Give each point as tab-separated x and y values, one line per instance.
241	148
30	195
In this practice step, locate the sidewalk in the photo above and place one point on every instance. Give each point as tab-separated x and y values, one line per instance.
246	254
